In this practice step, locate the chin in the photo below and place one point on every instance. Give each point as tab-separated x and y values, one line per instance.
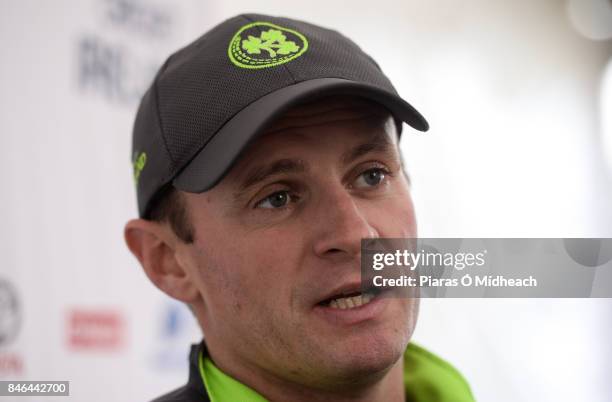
366	356
365	351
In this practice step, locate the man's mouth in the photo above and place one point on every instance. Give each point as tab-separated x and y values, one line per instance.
350	300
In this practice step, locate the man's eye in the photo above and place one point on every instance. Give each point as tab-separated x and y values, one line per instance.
371	178
276	200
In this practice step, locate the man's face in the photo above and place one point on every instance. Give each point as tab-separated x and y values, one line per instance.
280	237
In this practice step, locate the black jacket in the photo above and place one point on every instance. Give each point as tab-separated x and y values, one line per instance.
194	390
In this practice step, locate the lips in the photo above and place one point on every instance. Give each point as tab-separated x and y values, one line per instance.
351	302
348	296
341	307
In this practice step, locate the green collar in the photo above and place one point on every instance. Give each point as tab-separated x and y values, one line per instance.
426	378
221	387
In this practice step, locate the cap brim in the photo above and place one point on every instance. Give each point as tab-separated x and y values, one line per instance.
215	159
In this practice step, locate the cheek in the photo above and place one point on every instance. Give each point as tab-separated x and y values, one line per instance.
218	284
410	229
252	270
396	218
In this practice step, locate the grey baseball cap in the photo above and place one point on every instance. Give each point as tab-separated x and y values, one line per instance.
210	99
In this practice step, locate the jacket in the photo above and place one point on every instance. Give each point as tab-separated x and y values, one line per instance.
427	378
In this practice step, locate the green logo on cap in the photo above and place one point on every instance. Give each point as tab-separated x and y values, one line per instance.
261	45
139	161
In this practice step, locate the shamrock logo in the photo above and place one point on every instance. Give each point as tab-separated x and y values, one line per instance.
272	41
262	44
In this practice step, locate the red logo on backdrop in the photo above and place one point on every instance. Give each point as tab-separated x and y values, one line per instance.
10	364
95	329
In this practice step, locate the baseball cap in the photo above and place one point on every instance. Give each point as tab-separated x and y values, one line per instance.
210	99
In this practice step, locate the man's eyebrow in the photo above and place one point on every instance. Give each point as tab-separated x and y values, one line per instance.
380	143
261	173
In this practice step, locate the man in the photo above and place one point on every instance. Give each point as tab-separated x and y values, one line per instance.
263	153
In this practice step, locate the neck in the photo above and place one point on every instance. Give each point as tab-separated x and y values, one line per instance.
381	387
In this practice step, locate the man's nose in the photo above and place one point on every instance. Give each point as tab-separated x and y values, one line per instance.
342	222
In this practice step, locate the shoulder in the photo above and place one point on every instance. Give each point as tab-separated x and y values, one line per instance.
428	374
182	394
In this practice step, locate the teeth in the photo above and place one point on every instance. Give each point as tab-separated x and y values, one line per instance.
344	303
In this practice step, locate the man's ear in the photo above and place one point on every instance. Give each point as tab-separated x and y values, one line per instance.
155	246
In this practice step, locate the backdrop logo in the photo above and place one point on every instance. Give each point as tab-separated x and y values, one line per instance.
118	59
11	363
176	330
95	329
261	45
10	313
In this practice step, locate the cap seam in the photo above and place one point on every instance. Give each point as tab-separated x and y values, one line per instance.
289	72
159	118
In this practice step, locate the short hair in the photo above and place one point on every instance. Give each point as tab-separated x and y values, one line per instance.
169	207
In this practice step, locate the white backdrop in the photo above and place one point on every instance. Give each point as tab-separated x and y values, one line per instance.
515	97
